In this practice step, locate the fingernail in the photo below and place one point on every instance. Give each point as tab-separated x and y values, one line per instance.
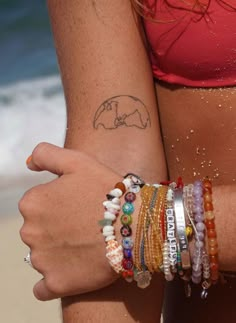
28	160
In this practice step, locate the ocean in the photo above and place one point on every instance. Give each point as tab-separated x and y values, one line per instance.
32	107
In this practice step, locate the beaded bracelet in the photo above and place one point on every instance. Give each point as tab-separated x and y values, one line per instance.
171	231
211	232
142	256
126	231
114	251
199	234
141	248
170	244
158	229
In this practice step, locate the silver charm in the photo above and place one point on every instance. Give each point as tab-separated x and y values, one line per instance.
27	259
143	279
204	293
205	286
134	188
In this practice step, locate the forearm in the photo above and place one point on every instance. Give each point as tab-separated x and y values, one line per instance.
120	302
101	55
224	208
94	69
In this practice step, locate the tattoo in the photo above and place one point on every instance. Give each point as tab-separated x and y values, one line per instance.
122	111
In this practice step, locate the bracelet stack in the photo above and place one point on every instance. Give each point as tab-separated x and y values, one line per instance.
172	217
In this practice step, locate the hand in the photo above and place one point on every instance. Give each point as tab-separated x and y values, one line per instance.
61	223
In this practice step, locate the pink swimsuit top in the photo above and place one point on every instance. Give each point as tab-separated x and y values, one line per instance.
191	49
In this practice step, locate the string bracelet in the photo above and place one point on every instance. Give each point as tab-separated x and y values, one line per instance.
158	228
145	252
142	257
151	246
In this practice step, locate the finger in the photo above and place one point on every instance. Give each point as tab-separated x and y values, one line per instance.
42	293
51	158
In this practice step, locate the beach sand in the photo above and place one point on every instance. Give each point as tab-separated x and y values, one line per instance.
18	304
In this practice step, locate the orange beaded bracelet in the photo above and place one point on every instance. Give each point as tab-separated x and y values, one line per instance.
211	232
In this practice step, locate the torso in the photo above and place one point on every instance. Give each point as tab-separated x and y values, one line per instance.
199	134
198	122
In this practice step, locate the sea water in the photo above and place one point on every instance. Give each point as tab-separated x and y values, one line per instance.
32	107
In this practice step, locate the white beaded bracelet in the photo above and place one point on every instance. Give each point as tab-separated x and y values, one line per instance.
114	251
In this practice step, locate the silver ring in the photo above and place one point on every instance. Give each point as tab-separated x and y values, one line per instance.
27	259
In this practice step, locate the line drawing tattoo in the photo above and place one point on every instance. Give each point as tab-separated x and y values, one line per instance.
122	111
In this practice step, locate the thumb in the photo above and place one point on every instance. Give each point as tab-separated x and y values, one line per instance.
51	158
42	293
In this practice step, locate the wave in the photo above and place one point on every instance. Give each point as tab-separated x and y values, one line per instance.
30	112
27	48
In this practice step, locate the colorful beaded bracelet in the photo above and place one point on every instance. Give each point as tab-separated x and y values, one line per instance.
114	251
126	231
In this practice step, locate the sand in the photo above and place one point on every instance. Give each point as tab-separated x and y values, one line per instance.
17	301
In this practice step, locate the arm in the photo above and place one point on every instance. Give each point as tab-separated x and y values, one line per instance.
225	205
101	55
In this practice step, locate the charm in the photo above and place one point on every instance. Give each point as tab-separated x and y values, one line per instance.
204	294
134	188
205	286
143	279
187	289
135	179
